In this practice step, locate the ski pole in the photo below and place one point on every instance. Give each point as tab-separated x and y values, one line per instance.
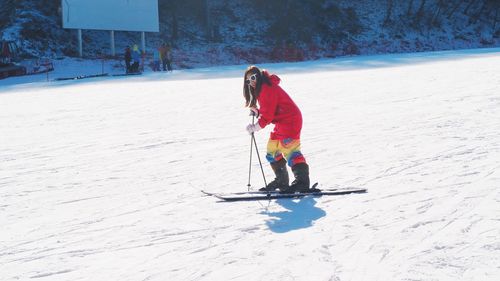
254	142
250	164
260	162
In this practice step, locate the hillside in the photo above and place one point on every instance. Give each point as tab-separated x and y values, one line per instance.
215	32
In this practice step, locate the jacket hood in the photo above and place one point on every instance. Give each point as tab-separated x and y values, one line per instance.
275	80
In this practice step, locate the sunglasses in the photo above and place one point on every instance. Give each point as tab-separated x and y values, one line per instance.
253	77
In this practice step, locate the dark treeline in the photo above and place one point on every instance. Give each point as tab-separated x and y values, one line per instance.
274	22
305	20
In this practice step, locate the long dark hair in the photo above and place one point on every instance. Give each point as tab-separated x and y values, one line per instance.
251	94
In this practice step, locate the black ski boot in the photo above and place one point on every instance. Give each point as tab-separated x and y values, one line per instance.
281	180
301	182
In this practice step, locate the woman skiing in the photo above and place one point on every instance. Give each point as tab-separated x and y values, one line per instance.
271	104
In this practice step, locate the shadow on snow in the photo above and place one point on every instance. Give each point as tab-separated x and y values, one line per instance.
299	214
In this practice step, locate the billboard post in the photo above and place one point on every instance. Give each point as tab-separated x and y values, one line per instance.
143	41
112	37
80	43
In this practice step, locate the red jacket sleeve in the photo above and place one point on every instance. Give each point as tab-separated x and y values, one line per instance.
268	101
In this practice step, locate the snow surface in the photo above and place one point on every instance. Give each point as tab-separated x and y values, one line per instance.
100	179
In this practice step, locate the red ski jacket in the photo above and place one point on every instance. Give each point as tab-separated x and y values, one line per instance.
276	107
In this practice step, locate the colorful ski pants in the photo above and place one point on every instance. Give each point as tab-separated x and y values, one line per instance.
288	148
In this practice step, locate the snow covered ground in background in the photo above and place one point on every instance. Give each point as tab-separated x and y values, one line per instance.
100	179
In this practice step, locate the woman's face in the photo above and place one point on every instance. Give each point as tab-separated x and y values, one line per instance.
251	80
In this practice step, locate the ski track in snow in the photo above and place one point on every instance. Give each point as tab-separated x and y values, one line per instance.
101	181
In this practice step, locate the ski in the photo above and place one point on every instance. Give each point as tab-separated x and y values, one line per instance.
257	192
276	195
254	191
81	77
314	186
128	74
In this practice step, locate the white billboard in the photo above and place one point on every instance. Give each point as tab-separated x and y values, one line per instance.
120	15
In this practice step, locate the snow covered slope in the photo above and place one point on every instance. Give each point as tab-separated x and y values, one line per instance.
101	179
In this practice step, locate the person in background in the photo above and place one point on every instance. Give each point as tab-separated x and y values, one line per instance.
271	104
163	54
156	59
136	59
167	57
128	58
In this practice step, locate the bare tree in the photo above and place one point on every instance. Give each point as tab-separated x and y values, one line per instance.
408	11
7	12
496	19
471	3
390	4
420	12
169	14
175	23
493	7
438	11
208	23
454	9
479	12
